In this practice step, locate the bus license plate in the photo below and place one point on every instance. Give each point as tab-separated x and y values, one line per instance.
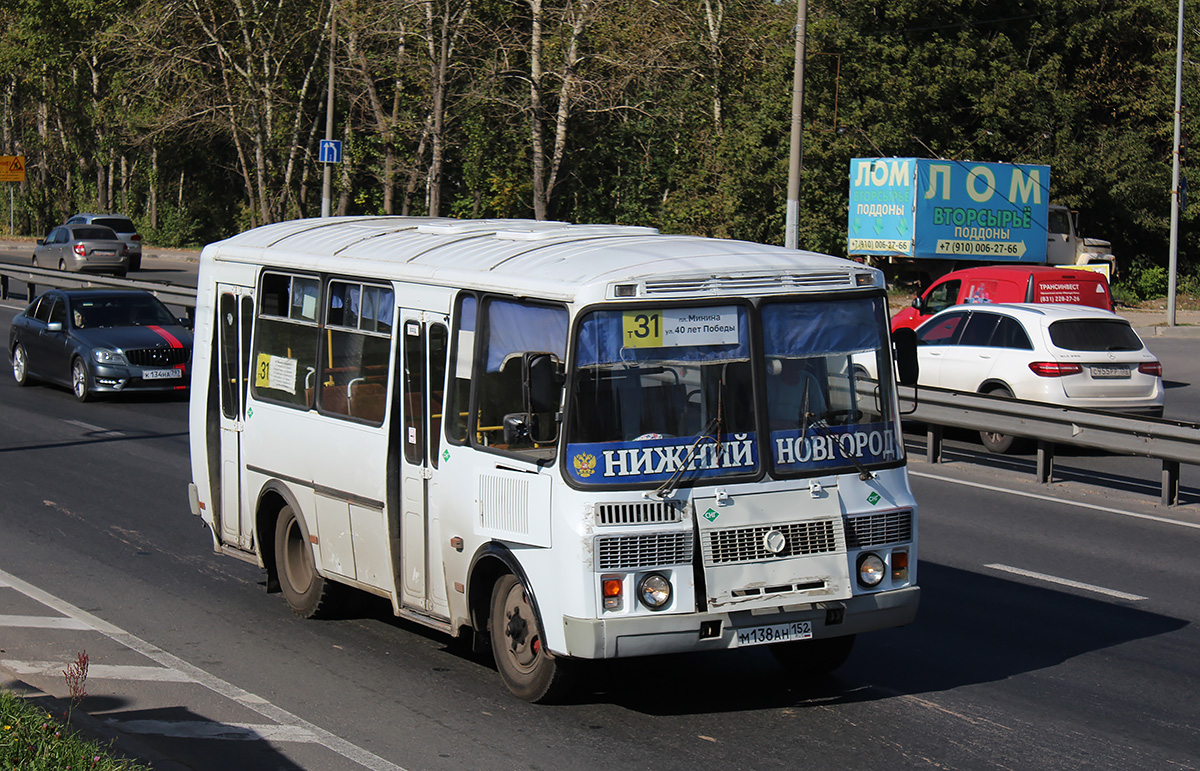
161	374
1110	372
773	633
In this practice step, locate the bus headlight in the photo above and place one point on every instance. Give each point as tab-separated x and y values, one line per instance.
870	570
654	591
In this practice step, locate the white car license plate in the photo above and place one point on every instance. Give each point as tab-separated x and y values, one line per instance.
161	374
773	633
1110	372
104	253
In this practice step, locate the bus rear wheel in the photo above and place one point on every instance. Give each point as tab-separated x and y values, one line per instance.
529	670
307	593
811	659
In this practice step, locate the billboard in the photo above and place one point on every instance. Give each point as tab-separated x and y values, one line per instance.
960	210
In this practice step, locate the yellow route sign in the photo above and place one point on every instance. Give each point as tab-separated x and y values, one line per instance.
12	168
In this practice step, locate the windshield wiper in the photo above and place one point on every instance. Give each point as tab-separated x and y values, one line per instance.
712	431
823	426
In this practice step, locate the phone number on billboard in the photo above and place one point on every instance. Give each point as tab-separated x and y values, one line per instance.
1007	248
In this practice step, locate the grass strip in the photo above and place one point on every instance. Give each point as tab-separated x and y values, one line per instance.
33	740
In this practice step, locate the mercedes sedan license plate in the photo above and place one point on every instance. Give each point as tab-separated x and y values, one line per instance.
773	633
161	374
1110	372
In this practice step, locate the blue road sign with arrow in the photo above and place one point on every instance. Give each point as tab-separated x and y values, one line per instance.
331	151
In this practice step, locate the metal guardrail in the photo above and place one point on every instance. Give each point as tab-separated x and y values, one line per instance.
1172	442
182	296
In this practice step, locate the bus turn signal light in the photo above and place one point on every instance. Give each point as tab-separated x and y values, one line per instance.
613	588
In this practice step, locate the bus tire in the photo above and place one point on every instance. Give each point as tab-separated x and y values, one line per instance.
307	593
529	670
813	658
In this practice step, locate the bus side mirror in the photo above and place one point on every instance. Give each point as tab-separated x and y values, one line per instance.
542	382
519	428
904	346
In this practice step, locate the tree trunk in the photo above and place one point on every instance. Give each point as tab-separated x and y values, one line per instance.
153	214
536	143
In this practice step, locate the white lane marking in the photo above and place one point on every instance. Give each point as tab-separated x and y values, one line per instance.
195	729
215	684
1067	582
100	671
43	622
1065	502
93	429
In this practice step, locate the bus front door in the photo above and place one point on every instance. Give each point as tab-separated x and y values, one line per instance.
423	362
235	312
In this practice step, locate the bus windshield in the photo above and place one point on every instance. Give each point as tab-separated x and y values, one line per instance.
668	395
823	412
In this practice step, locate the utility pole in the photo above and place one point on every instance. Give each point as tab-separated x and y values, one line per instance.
791	235
327	188
1173	261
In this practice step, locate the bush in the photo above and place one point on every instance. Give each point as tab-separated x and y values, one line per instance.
1142	283
176	228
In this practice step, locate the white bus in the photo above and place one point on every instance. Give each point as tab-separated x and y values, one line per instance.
564	442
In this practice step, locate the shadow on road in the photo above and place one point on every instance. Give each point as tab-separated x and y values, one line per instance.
972	628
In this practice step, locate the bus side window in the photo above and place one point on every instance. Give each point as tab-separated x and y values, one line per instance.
353	371
462	366
513	329
438	342
285	345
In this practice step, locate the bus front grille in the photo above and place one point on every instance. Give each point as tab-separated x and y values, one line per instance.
748	544
637	513
634	552
878	529
751	283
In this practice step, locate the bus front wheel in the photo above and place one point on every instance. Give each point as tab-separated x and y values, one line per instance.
529	670
307	593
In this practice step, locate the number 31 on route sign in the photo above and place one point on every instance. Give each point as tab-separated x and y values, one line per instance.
12	168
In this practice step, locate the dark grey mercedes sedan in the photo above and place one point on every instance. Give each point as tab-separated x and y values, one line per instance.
101	340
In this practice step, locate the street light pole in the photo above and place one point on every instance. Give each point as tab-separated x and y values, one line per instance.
1173	260
327	187
791	236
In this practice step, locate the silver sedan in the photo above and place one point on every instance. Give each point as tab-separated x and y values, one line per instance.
82	248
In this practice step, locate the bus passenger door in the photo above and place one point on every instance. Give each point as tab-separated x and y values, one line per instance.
235	312
424	344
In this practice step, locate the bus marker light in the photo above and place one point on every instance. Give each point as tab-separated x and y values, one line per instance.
899	567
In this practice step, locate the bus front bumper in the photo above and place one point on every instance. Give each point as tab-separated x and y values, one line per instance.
651	635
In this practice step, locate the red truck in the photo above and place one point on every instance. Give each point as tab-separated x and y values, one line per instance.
1007	284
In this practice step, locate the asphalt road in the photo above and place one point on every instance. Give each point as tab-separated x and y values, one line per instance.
1006	666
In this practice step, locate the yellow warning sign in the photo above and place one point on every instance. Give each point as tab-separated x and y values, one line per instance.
12	168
